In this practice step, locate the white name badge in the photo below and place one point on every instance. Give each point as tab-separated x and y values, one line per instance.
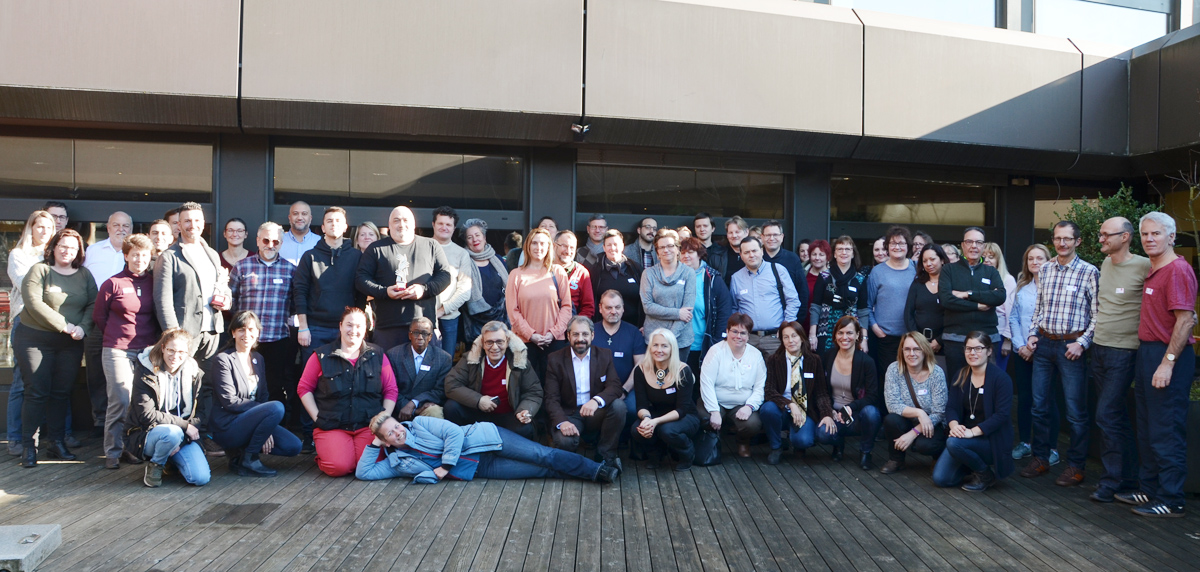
254	361
618	354
1120	290
128	290
278	281
808	375
1149	291
922	392
744	291
424	368
986	280
504	382
680	282
670	390
53	289
981	391
603	377
852	289
1069	288
632	281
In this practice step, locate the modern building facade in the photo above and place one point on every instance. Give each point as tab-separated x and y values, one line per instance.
836	120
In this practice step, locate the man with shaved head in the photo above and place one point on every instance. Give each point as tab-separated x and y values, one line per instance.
104	259
299	238
405	273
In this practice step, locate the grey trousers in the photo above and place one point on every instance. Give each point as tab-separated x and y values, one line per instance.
118	372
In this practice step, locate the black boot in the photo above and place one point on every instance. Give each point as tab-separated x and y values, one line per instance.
59	450
29	460
235	461
251	466
981	482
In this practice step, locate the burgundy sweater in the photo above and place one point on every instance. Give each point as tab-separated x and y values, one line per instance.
124	311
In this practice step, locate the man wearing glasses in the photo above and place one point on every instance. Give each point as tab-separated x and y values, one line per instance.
1114	349
104	260
969	292
578	278
593	249
495	383
261	283
420	369
58	211
642	249
1064	322
775	253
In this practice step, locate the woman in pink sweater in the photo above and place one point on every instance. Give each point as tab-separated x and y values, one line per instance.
539	301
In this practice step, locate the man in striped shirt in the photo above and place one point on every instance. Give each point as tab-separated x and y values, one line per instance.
1063	324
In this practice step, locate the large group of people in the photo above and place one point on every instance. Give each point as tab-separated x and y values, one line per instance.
346	346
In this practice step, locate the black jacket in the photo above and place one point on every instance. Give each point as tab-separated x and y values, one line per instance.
863	383
718	306
625	279
233	393
961	317
997	406
323	284
425	386
426	265
348	395
795	268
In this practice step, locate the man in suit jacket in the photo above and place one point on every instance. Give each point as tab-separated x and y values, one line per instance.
583	393
420	370
190	290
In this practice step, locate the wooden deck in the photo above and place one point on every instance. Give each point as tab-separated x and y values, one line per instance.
812	514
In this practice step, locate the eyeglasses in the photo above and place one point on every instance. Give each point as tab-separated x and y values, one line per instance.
912	350
772	235
494	343
59	217
421	334
648	227
972	242
974	349
1107	235
235	231
1064	239
270	242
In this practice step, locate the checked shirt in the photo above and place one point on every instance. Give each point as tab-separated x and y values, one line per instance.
1067	300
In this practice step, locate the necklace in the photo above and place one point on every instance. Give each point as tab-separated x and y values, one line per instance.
974	399
660	374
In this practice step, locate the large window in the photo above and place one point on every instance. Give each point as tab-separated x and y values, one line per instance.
899	201
1116	25
390	178
664	191
82	169
977	12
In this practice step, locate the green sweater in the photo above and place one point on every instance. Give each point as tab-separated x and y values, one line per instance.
53	300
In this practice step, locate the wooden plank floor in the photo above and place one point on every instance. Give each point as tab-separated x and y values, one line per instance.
806	513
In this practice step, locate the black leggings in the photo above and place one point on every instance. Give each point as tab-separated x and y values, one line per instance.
49	363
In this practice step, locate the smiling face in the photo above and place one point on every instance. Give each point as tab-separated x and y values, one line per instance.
476	242
300	217
879	251
737	336
581	338
235	233
734	233
843	253
792	341
269	241
564	249
353	328
138	260
495	343
977	353
1113	236
914	356
365	237
846	337
119	226
443	228
246	336
1034	261
161	236
596	229
772	237
660	350
667	249
613	245
191	226
174	353
539	247
394	434
66	250
816	257
403	225
647	229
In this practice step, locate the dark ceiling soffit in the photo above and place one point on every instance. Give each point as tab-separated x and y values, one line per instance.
644	133
964	155
346	119
34	105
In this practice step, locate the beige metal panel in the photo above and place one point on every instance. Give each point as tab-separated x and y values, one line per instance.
150	46
939	81
774	64
516	55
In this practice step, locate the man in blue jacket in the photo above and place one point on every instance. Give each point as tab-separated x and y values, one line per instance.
428	450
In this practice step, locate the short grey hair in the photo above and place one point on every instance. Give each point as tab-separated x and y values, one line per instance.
482	224
270	226
591	326
1161	218
493	326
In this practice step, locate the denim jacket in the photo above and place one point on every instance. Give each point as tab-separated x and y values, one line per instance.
431	443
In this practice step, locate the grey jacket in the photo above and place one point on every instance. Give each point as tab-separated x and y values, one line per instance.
663	297
178	301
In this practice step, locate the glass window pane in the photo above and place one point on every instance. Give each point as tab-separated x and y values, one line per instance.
896	201
36	167
656	191
124	170
977	12
391	178
10	232
1114	25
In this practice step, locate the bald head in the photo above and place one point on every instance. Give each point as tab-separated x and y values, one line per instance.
300	218
402	225
119	226
1116	234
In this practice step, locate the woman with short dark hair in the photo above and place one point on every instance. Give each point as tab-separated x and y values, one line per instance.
59	294
840	292
794	398
244	422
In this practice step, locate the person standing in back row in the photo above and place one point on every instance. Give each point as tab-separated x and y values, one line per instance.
969	291
405	273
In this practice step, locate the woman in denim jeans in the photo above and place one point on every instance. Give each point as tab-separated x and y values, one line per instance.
166	391
428	450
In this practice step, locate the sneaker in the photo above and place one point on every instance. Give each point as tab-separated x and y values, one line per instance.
1053	457
1021	451
1135	498
72	442
1070	477
15	449
981	482
1158	509
607	473
1036	468
211	448
774	456
154	474
1102	494
307	447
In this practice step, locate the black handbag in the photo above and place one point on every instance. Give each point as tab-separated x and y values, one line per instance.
708	448
135	440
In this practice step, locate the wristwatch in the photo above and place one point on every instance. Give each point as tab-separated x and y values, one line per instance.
1171	357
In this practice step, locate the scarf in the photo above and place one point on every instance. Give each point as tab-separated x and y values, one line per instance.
477	304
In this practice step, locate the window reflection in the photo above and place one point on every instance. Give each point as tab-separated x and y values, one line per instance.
658	191
1114	25
898	201
976	12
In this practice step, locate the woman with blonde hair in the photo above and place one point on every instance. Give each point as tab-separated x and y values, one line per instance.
994	257
1019	317
666	415
538	298
163	405
914	389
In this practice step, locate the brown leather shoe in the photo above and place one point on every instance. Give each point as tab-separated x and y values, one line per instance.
1036	468
892	467
112	463
744	451
1070	477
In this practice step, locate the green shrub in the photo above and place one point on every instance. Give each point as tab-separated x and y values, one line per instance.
1090	215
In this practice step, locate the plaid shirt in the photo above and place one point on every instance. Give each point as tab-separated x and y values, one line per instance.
264	289
1067	300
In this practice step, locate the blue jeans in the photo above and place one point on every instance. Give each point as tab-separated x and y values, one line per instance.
1112	372
190	461
775	421
320	336
16	397
1162	422
866	425
448	334
1050	356
1023	382
249	431
961	457
520	458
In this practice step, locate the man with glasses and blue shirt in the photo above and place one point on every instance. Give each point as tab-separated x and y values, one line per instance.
420	368
1063	324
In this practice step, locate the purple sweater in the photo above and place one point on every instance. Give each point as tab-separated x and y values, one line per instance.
124	311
